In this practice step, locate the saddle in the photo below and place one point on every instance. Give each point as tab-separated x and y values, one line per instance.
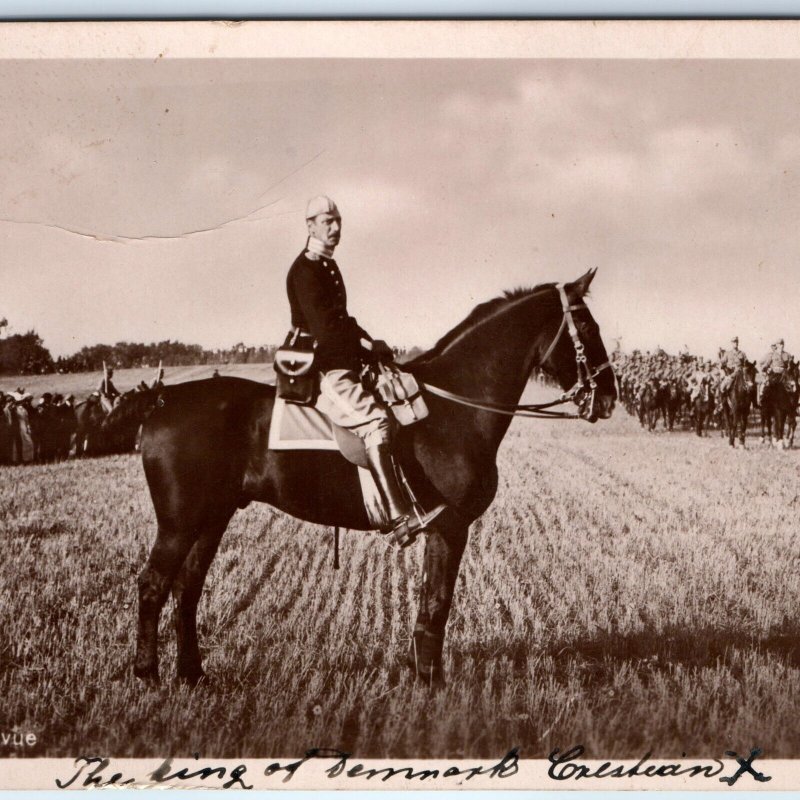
296	426
301	426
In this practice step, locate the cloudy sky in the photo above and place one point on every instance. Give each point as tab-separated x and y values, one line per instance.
145	200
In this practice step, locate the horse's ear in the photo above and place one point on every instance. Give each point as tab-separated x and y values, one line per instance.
581	286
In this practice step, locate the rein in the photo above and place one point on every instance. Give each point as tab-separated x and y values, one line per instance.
529	410
585	377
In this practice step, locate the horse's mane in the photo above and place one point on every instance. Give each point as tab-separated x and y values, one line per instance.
478	314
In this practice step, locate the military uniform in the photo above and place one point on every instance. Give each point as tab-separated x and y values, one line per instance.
775	362
106	387
318	302
772	365
696	381
108	393
730	361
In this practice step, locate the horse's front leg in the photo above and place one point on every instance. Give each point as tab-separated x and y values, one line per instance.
444	547
777	428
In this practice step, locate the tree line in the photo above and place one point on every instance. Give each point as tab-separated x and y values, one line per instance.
25	354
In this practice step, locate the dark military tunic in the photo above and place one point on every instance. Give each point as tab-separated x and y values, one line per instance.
318	301
110	390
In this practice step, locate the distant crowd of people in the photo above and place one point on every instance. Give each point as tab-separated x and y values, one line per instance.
54	426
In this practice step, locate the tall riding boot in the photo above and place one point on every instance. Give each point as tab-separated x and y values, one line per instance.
381	466
405	523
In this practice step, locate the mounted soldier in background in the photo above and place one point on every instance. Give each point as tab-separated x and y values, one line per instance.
158	381
772	366
698	379
731	361
106	390
341	348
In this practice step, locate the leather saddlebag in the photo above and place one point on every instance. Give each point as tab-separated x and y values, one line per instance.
296	375
400	392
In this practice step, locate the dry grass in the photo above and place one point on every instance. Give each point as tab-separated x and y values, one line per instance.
626	591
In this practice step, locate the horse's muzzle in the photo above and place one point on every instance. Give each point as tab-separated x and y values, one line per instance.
600	406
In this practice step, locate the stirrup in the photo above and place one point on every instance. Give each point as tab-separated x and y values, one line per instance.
405	530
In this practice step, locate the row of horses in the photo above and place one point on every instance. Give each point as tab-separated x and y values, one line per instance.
672	400
45	432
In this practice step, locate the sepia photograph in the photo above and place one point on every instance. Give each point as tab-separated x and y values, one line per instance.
422	408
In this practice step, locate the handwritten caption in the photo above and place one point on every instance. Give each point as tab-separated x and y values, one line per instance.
94	771
566	765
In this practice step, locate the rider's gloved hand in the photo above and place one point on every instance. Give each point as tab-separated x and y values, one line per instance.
381	351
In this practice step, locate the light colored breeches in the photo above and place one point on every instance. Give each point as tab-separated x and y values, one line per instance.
346	402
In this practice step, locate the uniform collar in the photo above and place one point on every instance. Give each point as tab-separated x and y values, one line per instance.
318	248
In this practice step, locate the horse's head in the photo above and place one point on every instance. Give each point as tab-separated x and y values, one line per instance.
749	375
790	376
576	356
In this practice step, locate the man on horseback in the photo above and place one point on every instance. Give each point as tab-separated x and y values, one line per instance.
318	302
773	365
698	379
731	361
107	391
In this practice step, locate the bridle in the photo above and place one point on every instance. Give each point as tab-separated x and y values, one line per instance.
585	376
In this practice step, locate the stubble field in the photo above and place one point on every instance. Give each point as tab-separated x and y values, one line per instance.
626	591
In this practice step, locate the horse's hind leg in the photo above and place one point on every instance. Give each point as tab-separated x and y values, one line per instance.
168	554
186	590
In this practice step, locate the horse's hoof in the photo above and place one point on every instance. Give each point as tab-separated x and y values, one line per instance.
148	675
432	677
424	673
192	679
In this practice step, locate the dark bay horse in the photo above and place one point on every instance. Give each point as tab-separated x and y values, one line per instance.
204	449
652	403
89	417
118	431
674	396
779	406
737	402
703	406
99	433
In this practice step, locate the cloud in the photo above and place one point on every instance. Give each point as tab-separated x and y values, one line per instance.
456	180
